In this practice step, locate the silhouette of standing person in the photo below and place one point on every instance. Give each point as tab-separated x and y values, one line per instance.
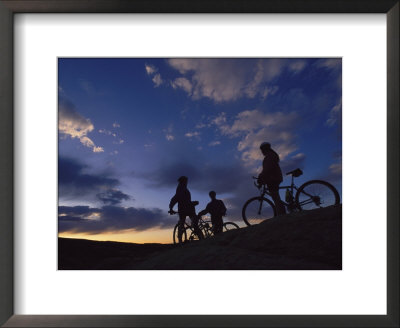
217	209
271	175
185	207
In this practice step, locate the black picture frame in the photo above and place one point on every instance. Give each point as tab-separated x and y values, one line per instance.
10	7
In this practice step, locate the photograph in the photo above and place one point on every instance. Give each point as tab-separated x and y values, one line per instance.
199	163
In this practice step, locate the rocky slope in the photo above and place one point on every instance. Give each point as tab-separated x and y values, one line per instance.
308	240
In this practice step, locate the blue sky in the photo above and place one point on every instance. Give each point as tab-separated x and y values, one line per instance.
129	127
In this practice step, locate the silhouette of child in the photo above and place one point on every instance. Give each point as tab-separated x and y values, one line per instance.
217	209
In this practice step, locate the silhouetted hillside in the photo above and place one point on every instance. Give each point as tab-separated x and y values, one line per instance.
304	240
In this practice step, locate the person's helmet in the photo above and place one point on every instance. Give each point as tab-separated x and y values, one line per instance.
265	145
182	178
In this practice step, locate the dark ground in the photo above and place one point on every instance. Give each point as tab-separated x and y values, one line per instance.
308	240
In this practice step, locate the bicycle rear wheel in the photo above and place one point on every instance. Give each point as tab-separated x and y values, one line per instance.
257	209
316	194
176	237
230	226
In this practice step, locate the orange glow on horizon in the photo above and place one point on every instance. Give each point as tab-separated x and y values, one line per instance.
159	236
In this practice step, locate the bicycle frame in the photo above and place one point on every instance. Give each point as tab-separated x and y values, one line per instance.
293	188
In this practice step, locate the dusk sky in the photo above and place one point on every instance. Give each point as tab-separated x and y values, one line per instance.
129	127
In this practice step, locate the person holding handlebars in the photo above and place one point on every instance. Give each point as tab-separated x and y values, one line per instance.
185	207
217	209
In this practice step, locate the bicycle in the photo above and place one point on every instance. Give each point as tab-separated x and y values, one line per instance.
206	228
310	195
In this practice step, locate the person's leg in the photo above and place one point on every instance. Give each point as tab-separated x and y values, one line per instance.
217	225
274	190
195	225
181	226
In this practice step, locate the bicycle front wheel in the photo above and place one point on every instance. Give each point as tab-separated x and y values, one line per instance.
230	226
316	194
257	209
176	235
191	235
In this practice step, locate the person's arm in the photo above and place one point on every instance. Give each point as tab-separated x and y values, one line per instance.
179	195
261	176
224	208
173	201
205	211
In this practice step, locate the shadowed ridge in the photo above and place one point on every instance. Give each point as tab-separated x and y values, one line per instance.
307	240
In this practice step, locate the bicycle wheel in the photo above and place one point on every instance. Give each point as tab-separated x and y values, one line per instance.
316	194
206	229
191	235
230	226
257	209
176	237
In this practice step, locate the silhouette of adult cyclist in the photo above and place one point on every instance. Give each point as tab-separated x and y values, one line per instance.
185	207
271	175
217	209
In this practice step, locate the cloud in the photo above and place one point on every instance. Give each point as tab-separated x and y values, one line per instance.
214	143
107	132
110	218
168	133
152	72
297	66
73	180
266	71
74	125
157	80
192	134
113	134
182	83
254	127
150	69
116	125
223	80
87	86
330	63
206	177
269	91
112	197
335	114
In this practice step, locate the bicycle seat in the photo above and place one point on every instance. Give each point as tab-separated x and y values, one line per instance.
296	173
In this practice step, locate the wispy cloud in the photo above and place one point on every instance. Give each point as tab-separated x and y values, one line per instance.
330	63
87	86
111	218
169	133
225	80
74	181
192	134
74	125
150	69
155	77
254	127
112	196
107	132
297	66
182	83
157	80
335	114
